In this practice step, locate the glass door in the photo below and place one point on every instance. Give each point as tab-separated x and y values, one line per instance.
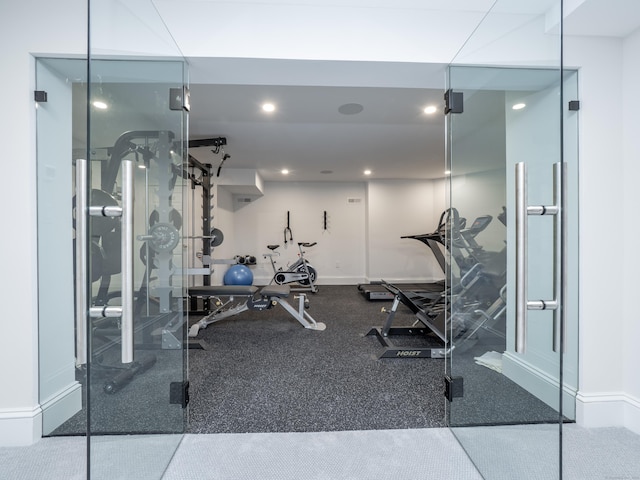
512	243
131	188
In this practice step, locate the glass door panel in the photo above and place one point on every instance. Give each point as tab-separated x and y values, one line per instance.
505	376
134	183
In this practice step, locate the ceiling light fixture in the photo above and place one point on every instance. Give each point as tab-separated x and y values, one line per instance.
100	105
447	172
269	107
430	109
284	171
519	106
367	172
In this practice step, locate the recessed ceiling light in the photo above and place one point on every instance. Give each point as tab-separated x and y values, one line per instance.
269	107
367	172
100	105
350	108
284	171
519	106
430	109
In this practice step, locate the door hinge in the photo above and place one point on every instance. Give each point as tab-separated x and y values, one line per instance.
453	102
40	96
574	105
179	99
179	393
453	387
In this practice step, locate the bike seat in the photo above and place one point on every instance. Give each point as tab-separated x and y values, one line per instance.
272	247
307	245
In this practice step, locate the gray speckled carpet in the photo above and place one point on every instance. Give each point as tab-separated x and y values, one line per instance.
263	372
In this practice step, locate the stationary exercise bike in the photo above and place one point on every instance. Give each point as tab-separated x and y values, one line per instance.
300	271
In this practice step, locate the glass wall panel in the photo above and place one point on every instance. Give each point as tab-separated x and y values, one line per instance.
61	139
508	108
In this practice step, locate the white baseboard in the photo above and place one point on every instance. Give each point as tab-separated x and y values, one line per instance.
324	280
61	407
539	383
350	280
20	427
590	410
404	280
336	280
608	409
632	414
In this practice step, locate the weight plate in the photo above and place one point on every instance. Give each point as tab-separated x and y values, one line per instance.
165	237
217	237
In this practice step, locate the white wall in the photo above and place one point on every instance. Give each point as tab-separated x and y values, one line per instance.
630	233
364	224
339	255
395	209
60	394
25	27
223	219
601	398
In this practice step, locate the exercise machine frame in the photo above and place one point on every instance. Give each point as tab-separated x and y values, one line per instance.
300	272
231	300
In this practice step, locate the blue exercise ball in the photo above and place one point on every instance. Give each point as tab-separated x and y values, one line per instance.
238	275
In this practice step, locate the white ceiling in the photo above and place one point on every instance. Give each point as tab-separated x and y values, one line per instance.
307	134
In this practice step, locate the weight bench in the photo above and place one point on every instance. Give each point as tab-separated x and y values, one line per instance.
230	300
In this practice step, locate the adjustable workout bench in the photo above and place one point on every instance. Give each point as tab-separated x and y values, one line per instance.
230	300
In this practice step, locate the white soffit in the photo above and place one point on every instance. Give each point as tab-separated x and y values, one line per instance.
432	31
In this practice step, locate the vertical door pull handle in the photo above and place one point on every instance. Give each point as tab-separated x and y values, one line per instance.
125	310
127	261
81	255
522	211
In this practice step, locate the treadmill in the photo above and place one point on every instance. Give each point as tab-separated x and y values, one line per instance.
378	291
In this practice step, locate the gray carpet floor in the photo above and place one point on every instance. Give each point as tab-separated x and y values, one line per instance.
263	372
428	454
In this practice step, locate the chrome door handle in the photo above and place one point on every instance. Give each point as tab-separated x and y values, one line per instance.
522	211
126	240
81	261
125	310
